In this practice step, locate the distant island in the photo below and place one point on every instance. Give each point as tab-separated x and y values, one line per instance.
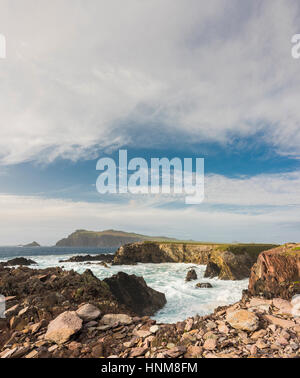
33	244
106	238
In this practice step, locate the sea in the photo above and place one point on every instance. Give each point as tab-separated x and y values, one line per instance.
183	298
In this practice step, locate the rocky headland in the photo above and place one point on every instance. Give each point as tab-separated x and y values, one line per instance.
227	262
106	238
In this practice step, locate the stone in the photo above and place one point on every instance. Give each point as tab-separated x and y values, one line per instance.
189	324
204	285
12	310
243	320
23	311
63	327
88	312
97	350
176	351
7	353
191	275
139	351
253	349
283	305
32	354
52	348
261	344
279	322
154	328
111	319
261	333
210	344
142	333
223	328
194	351
74	345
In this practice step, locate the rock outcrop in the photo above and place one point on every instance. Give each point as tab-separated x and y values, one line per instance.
133	292
228	262
191	275
19	261
33	244
105	257
153	252
277	273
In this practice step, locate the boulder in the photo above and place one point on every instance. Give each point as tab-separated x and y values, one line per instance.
63	327
133	292
205	285
276	273
191	275
284	306
295	303
88	312
284	323
243	320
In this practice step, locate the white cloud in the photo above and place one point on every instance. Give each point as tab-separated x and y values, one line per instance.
78	74
265	209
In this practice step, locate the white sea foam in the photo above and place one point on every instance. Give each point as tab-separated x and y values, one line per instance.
183	298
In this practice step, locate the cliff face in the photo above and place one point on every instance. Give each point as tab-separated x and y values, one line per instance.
230	261
277	272
162	252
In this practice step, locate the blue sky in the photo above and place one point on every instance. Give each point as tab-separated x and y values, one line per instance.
159	79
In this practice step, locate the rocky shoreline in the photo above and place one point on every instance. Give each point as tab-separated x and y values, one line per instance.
52	313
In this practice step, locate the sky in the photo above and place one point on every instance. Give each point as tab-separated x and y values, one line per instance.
188	79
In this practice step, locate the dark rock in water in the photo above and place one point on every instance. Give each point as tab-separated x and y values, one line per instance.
102	257
212	270
133	292
19	261
204	285
191	275
33	244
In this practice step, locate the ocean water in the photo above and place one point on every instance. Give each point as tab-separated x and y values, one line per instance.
183	298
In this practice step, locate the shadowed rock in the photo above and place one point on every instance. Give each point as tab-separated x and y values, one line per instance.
133	292
204	285
191	275
19	261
